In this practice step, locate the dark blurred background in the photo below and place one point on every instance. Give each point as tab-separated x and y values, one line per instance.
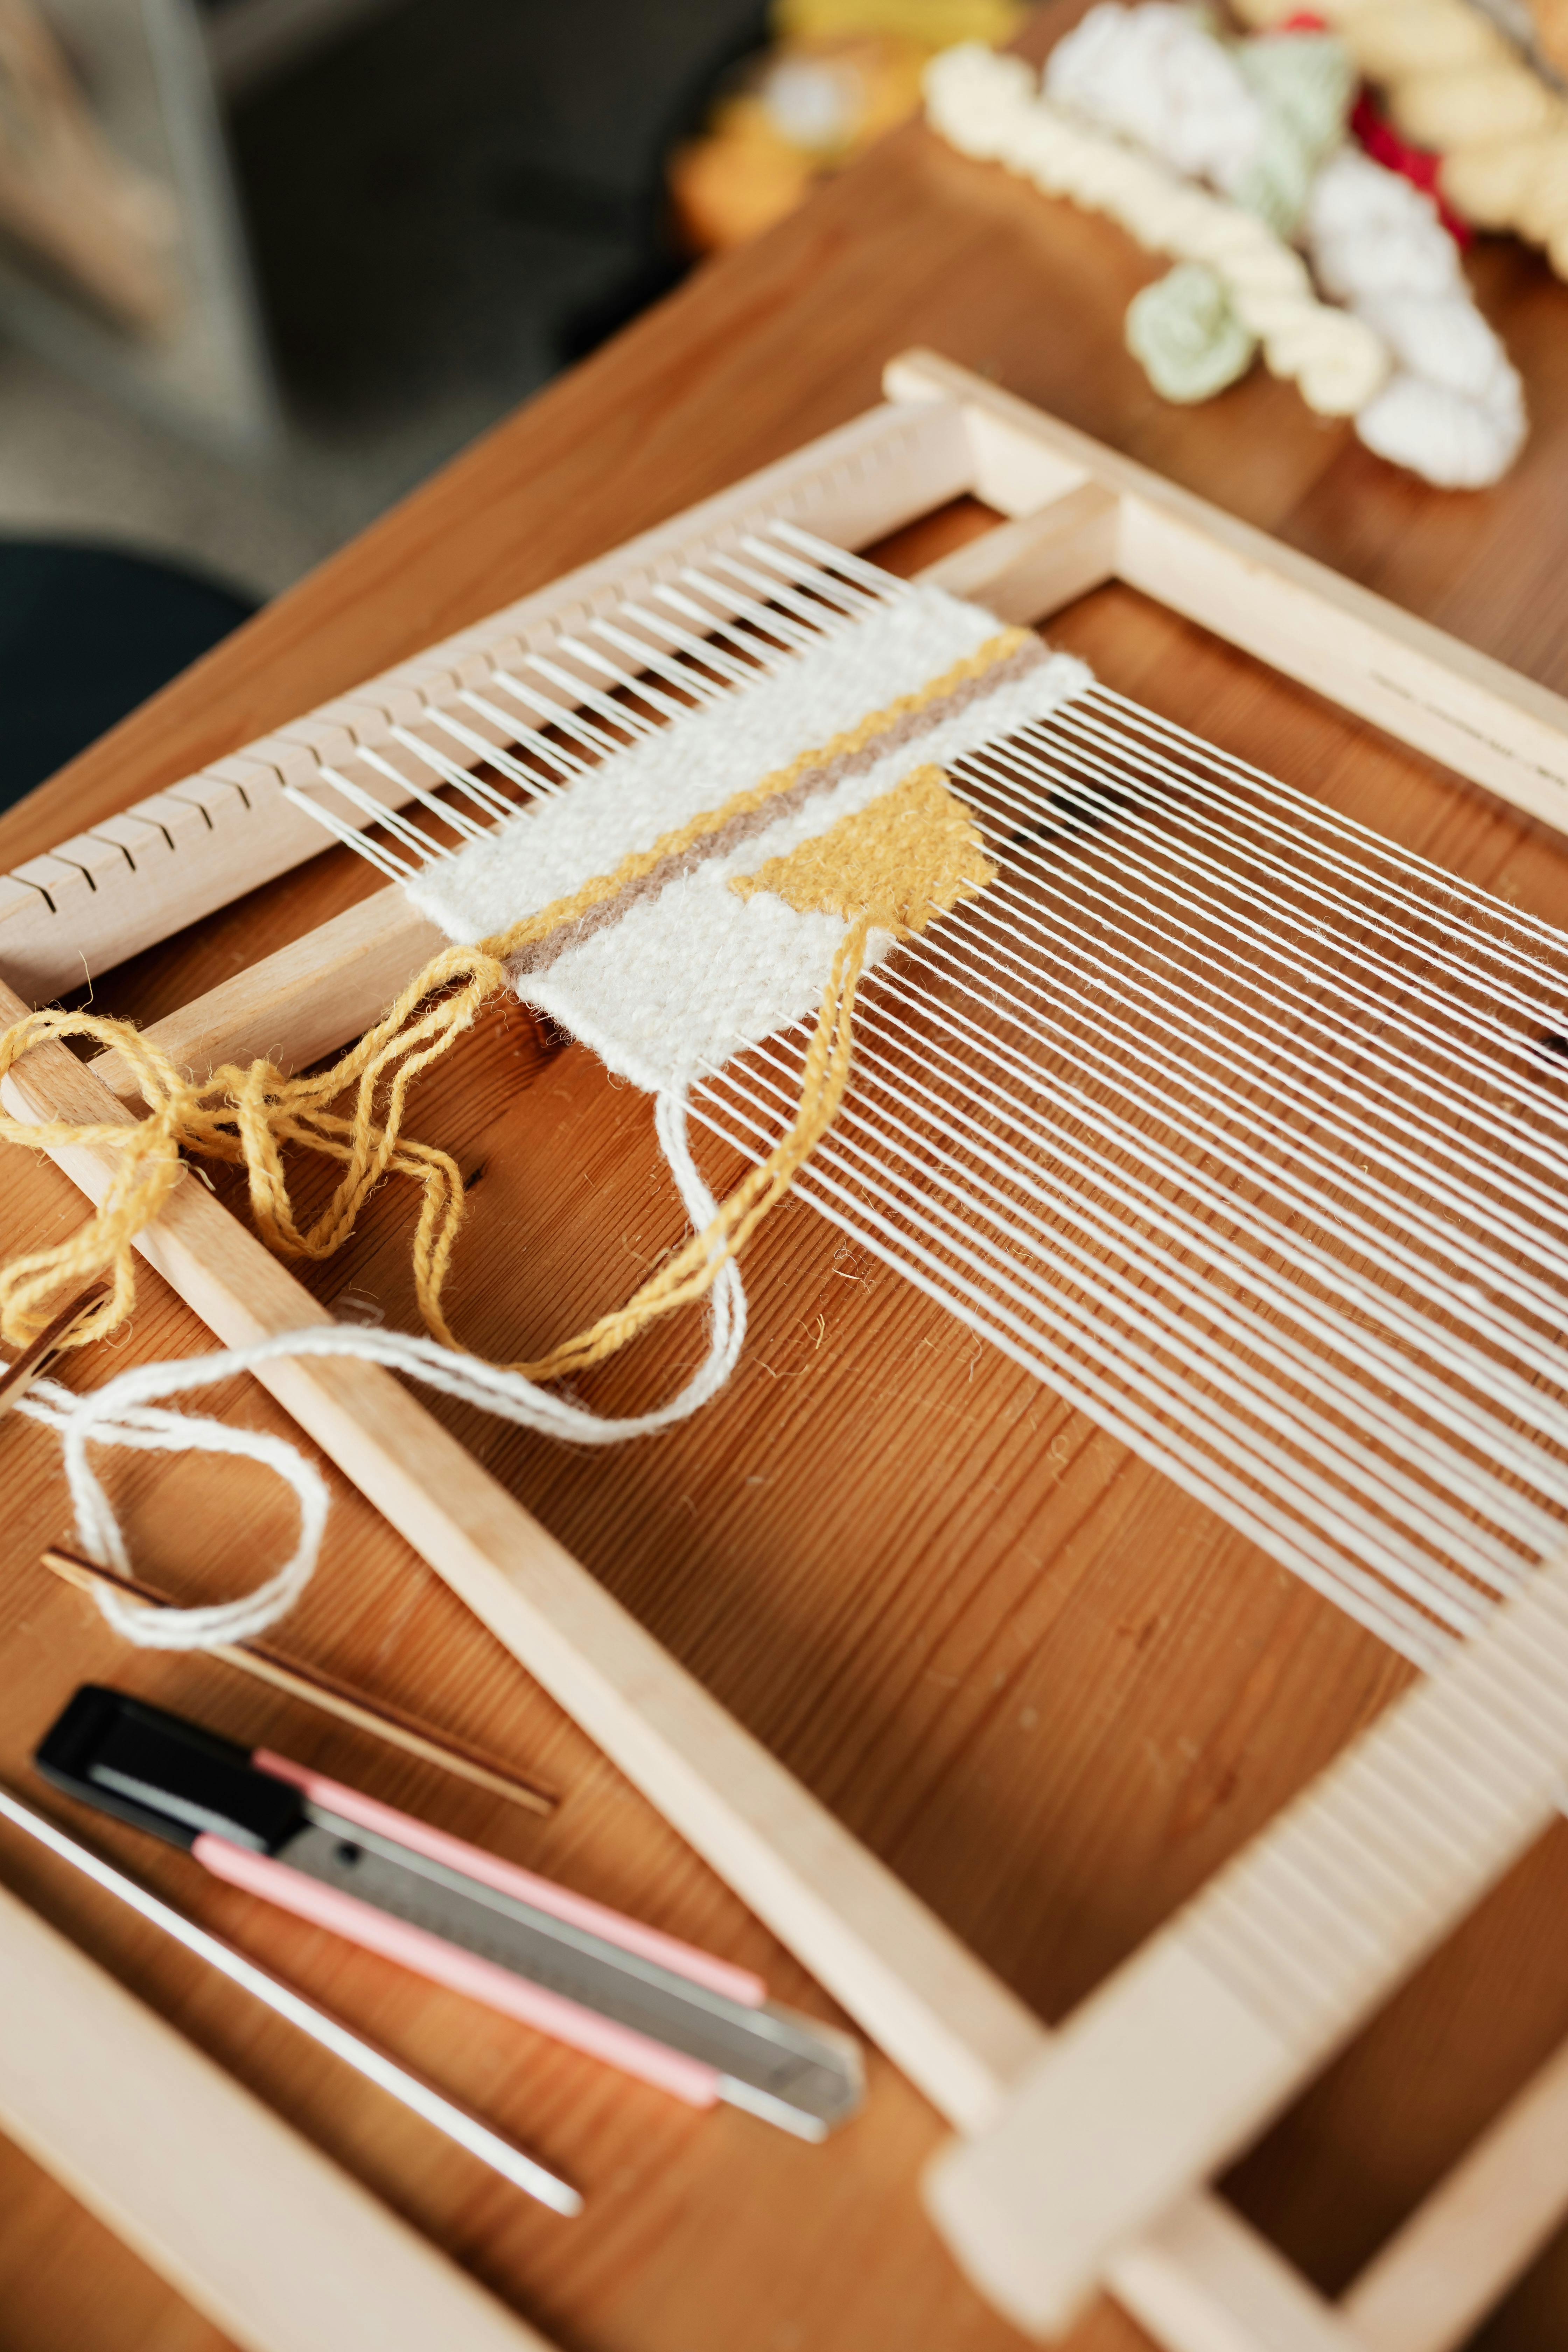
265	264
450	203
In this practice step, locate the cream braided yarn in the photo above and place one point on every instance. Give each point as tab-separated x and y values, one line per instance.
1457	84
987	106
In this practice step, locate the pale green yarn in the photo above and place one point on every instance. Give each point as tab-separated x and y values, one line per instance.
1305	84
1275	183
1306	79
1183	332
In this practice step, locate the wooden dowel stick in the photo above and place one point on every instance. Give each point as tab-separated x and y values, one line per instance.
35	1358
299	1003
325	1691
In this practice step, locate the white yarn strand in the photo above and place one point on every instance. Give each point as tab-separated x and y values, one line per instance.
1449	1102
126	1412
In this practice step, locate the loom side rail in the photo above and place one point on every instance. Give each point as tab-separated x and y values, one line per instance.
1190	2048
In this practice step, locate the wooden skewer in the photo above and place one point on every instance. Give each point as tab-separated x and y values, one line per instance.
411	2091
325	1691
35	1359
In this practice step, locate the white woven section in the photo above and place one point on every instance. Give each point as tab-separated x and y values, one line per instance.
636	794
689	977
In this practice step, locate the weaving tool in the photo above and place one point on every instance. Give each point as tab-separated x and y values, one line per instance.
421	2099
1081	517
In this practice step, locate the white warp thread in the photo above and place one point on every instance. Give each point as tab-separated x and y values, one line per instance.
989	107
126	1412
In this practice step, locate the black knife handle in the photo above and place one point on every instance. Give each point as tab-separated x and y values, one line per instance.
163	1774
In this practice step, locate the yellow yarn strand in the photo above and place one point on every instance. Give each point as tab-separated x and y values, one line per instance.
242	1113
913	852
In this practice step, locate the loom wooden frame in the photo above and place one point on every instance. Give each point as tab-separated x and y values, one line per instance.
1077	515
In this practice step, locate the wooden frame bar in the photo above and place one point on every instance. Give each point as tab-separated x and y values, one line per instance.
1186	2053
1198	2279
275	2246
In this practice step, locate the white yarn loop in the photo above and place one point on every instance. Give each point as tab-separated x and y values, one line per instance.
126	1412
116	1415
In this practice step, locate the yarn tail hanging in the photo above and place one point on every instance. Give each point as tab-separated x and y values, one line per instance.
247	1116
912	854
244	1114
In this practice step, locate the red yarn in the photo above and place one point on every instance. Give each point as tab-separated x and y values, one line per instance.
1385	146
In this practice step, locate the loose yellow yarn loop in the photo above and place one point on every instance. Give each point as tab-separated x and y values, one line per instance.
921	855
243	1113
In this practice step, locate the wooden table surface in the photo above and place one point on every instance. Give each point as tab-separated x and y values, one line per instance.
1049	1691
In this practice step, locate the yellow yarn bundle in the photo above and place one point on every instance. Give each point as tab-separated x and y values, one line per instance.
913	852
247	1113
1457	85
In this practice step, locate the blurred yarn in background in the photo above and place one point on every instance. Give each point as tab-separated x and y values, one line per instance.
837	75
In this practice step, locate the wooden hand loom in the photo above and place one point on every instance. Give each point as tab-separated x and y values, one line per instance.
1196	2276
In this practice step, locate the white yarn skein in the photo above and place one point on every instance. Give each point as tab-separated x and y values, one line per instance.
987	106
1453	411
126	1412
1154	75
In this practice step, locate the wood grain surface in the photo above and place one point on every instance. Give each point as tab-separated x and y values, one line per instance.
1047	1690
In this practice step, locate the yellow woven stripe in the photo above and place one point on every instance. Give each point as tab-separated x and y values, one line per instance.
914	853
675	844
